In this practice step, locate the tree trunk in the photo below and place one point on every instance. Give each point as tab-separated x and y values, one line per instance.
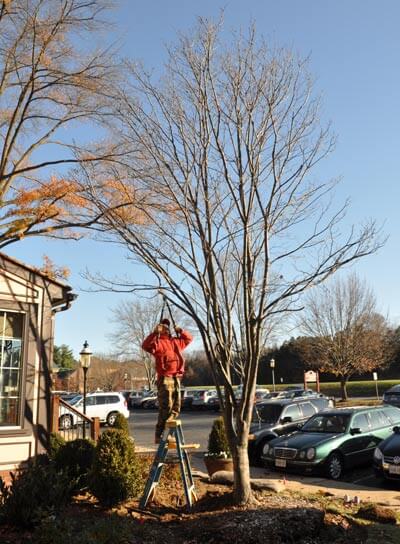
343	388
242	488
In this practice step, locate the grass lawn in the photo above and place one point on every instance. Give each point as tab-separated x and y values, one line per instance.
332	389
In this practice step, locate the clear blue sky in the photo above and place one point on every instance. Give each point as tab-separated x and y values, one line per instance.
354	49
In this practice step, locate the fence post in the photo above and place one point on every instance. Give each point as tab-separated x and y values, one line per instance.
55	412
95	428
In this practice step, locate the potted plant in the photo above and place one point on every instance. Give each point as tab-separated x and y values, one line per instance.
218	456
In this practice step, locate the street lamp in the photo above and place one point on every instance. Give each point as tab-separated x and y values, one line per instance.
272	365
85	357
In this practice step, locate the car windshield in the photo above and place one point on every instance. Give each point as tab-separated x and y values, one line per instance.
327	423
269	413
74	400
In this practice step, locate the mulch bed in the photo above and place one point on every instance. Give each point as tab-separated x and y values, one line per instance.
274	518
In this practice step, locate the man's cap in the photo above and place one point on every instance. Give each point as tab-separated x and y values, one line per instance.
165	322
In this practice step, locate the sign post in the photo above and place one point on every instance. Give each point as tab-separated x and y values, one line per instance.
311	376
375	378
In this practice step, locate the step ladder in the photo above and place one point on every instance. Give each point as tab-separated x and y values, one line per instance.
172	439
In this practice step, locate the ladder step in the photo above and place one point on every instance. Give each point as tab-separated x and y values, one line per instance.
172	445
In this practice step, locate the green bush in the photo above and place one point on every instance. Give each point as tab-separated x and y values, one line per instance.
56	441
37	492
121	423
75	458
115	474
217	440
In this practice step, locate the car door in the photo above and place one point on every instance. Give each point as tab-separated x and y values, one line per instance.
356	448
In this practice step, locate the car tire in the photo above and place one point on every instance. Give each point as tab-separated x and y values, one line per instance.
334	466
112	416
65	422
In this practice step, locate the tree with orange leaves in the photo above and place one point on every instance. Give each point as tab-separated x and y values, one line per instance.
48	84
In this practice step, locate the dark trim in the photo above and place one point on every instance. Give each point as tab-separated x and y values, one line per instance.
14	432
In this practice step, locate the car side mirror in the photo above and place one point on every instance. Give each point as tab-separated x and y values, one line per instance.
355	430
286	419
396	429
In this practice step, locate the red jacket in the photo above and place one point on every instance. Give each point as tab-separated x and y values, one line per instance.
167	352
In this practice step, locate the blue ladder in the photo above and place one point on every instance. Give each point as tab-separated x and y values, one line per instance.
172	438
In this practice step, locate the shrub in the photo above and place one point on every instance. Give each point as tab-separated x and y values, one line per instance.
217	441
75	458
121	423
115	475
34	494
56	441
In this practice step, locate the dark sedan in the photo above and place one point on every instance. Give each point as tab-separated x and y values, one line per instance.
278	417
392	396
387	457
333	440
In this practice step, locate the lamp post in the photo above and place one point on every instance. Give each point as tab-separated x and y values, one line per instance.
272	365
85	358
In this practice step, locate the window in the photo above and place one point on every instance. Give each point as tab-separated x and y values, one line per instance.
378	419
90	401
360	421
392	413
11	330
293	412
307	409
111	399
100	399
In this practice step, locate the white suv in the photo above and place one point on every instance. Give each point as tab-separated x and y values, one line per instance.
105	406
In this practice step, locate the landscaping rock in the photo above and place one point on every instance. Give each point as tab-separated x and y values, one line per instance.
224	477
267	485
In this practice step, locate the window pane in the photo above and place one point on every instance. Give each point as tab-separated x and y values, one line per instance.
9	409
11	353
11	327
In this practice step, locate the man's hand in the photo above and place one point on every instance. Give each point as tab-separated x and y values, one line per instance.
159	329
178	330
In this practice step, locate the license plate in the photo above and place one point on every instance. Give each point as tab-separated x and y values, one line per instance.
394	469
281	463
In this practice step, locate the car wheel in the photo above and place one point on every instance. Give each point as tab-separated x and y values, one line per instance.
111	418
65	422
335	466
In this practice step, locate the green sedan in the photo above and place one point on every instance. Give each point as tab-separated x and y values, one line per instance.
333	440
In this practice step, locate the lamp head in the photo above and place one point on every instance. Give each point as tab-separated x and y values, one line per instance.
85	355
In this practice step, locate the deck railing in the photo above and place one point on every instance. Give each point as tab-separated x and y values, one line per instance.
71	423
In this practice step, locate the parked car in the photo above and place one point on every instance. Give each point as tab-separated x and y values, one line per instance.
387	454
332	441
201	399
105	406
135	399
187	396
149	400
273	418
67	397
392	396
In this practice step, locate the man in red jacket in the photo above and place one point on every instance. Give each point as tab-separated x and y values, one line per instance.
170	367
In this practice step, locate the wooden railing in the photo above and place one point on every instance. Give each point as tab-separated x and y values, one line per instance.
71	423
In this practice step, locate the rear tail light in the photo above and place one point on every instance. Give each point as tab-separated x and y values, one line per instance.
126	403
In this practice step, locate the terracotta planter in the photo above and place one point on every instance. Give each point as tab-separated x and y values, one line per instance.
215	464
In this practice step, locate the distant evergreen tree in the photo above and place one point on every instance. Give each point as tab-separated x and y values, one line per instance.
63	357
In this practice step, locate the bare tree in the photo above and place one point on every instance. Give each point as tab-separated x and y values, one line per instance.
228	138
349	336
53	84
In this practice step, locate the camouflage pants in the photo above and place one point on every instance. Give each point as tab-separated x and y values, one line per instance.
169	401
